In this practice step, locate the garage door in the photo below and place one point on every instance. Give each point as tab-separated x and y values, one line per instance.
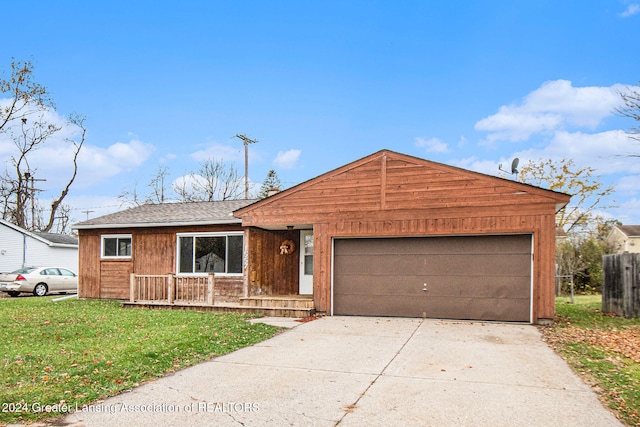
465	277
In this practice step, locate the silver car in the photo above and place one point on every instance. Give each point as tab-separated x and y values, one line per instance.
39	281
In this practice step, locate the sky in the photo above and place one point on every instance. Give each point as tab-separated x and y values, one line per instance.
473	84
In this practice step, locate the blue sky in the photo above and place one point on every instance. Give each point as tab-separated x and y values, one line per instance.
320	84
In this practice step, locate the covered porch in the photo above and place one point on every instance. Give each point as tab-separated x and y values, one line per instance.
277	279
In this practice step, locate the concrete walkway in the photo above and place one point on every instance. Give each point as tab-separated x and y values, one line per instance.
355	371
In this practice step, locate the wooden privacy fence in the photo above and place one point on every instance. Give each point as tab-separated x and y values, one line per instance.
172	289
621	284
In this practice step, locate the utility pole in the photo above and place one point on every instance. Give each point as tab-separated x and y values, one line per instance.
31	193
246	141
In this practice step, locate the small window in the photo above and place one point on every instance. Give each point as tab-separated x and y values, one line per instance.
116	246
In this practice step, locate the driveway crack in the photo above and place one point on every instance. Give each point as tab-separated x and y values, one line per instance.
352	407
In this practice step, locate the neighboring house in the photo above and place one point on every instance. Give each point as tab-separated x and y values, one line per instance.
21	248
386	235
625	238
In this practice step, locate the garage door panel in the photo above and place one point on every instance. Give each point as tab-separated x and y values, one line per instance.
455	245
389	305
508	265
379	264
381	285
461	286
468	277
479	308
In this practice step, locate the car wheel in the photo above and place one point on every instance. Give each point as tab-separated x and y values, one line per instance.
14	293
40	290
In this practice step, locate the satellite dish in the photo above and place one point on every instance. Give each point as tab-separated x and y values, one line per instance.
514	166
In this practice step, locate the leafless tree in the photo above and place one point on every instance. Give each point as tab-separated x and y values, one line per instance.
631	109
215	180
26	97
158	186
24	120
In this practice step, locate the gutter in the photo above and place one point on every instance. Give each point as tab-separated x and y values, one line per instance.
155	224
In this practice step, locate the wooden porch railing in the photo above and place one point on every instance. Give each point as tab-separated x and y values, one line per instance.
170	288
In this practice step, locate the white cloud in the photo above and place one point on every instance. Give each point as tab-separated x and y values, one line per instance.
554	106
97	163
53	160
433	145
606	152
628	185
220	152
287	159
631	10
628	212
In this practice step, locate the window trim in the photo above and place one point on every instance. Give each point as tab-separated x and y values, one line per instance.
208	234
115	236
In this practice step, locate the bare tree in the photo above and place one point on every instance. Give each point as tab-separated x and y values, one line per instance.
130	198
24	119
215	180
26	97
158	186
631	109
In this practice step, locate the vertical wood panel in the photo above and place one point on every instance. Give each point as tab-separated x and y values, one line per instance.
270	272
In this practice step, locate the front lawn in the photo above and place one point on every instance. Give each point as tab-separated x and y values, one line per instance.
57	355
603	349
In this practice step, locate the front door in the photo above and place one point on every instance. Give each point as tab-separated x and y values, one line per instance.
306	262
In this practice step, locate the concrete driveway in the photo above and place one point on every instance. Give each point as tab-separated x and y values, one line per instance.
355	371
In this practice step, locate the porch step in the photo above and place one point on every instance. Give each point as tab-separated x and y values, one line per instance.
280	302
227	308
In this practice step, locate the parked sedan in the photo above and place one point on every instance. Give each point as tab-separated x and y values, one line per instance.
39	281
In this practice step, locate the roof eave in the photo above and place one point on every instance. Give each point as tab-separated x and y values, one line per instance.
156	224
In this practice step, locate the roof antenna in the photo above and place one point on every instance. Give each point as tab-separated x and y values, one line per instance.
514	167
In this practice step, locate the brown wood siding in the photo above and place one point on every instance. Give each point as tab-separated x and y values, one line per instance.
271	273
390	194
88	270
115	276
153	252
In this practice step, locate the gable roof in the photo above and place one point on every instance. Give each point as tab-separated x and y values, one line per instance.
169	214
630	230
51	239
506	185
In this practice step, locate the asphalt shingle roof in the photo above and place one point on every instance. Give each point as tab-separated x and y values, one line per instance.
61	239
168	214
630	230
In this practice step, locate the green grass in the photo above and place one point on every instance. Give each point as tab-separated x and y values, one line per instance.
77	351
602	357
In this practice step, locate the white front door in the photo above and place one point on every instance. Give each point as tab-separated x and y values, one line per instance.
306	262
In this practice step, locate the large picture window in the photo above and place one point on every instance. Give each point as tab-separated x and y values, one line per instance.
116	246
210	253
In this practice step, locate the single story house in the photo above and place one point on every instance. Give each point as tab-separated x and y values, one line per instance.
385	235
22	248
625	238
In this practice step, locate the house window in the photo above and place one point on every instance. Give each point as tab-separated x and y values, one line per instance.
116	246
210	253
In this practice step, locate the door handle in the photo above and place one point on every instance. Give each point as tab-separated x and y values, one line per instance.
424	287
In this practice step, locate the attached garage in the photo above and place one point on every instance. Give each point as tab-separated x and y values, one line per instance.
387	224
452	277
